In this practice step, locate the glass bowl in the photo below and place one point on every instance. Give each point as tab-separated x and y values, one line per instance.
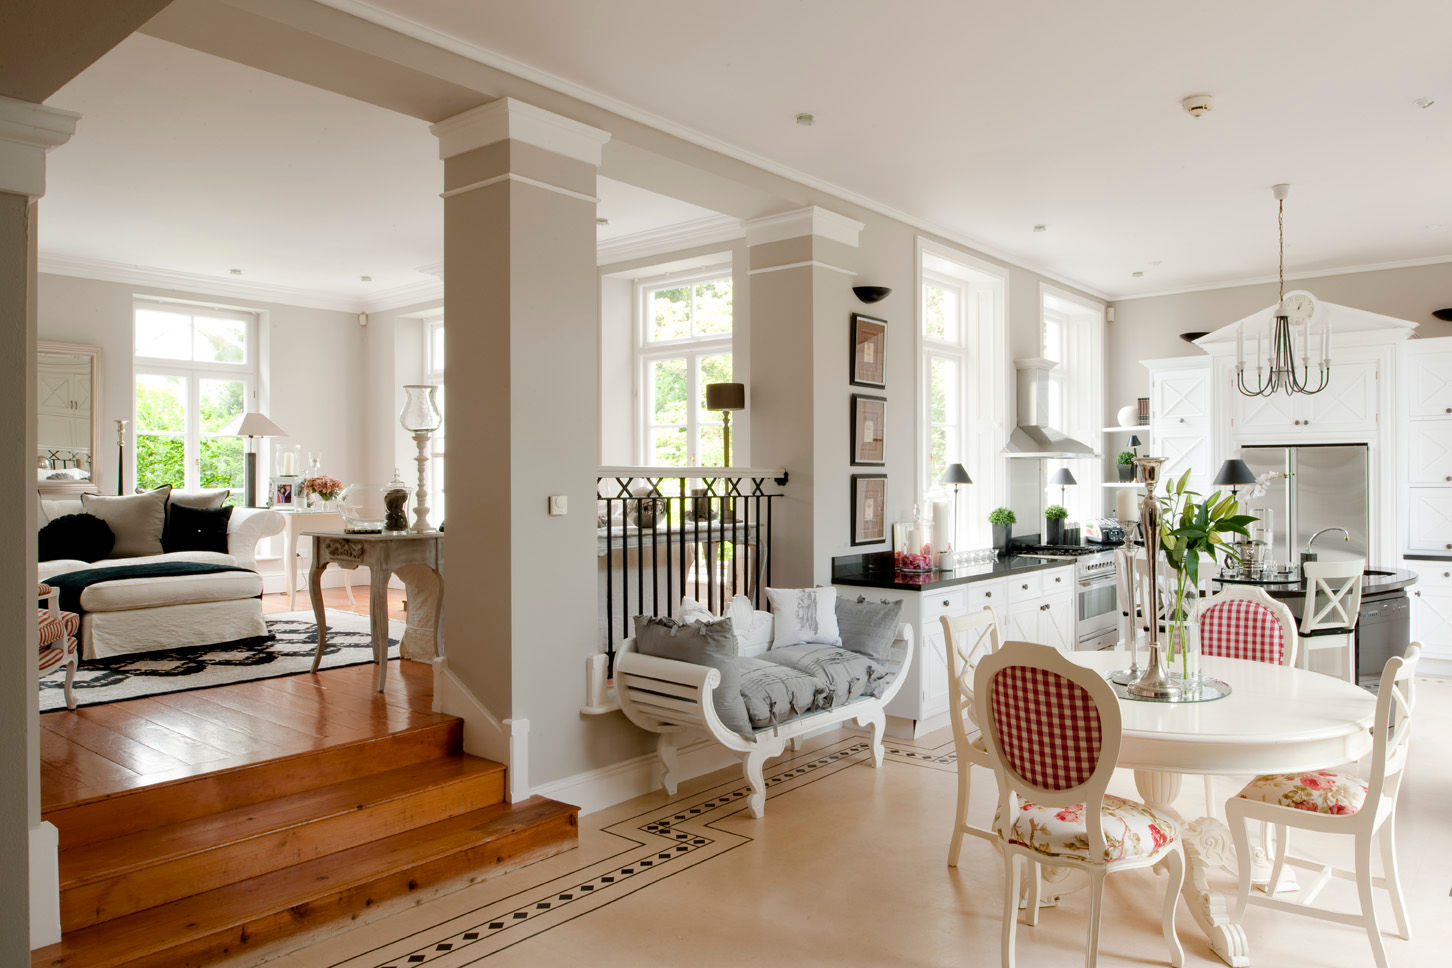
375	509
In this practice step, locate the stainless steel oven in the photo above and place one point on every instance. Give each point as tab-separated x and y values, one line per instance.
1098	604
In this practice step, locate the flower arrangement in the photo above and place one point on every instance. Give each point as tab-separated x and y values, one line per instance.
325	487
1002	516
1056	512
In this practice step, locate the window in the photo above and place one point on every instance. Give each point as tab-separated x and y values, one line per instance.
961	418
195	372
685	343
1073	337
434	374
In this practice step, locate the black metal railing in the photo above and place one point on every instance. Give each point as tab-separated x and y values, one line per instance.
667	532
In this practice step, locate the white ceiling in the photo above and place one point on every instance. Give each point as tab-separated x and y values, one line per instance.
192	165
988	117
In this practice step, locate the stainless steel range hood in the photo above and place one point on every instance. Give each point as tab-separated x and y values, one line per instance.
1033	437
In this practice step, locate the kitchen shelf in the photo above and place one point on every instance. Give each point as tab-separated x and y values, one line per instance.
1122	484
1119	430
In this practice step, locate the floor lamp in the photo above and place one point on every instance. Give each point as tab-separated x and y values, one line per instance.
252	425
957	475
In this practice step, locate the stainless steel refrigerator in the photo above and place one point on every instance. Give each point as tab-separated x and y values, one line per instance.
1317	486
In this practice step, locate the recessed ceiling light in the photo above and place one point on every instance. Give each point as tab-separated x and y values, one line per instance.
235	272
1425	102
1155	263
1136	274
1041	227
806	120
365	278
602	221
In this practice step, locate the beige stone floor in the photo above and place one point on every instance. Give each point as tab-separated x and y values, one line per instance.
848	868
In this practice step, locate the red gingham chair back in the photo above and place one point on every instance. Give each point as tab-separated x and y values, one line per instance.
1048	726
1239	628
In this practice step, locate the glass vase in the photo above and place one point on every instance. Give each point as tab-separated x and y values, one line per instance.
1185	657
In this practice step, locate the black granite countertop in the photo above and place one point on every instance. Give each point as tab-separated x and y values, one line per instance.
872	571
1375	581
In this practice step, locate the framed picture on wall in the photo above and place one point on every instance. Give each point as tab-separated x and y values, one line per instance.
869	508
869	427
869	351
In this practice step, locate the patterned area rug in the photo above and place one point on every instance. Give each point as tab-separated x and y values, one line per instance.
287	652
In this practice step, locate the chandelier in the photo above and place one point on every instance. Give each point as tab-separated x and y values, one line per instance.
1278	370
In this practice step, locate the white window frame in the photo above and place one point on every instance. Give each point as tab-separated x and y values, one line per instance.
1080	378
434	367
982	355
194	371
690	348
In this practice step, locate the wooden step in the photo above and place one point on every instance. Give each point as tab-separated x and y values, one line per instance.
104	818
245	916
113	878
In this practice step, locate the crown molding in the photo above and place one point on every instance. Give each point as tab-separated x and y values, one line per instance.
800	222
710	230
515	120
27	132
408	294
1313	274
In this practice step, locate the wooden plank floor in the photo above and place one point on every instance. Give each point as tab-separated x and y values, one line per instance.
98	750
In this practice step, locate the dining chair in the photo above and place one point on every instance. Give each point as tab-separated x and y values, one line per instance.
58	638
968	638
1333	604
1246	623
1329	802
1052	729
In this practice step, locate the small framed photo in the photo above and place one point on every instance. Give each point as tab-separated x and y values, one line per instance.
869	351
869	426
286	492
869	508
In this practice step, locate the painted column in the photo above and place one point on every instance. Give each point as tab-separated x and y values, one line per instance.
802	266
27	907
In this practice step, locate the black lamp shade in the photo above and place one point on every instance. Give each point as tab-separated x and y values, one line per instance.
955	474
1234	473
1134	440
725	396
1062	476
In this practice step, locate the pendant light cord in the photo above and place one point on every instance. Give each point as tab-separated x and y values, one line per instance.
1281	232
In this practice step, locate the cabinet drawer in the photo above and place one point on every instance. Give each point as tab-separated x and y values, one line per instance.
987	593
1436	574
1058	582
937	604
1021	587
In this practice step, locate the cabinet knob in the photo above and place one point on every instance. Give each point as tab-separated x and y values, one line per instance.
988	594
1025	586
1447	574
946	602
1449	410
1061	577
1417	593
1182	420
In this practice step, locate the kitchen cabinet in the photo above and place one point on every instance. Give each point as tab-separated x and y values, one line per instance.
1431	599
1180	395
1429	451
1346	410
1429	519
1429	378
1181	402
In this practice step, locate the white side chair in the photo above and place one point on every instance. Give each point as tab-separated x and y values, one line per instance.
1333	603
1053	730
1330	802
968	638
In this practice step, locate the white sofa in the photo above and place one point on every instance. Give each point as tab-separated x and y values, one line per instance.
145	614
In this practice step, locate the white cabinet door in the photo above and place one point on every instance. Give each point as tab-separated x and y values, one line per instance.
1432	619
1187	450
1429	451
935	672
1347	405
1180	396
1056	623
1272	416
1021	621
1429	519
1429	377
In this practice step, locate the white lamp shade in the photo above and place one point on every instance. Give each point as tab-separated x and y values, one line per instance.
420	412
254	424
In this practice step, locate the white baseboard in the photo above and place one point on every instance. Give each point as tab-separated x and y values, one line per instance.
608	785
45	926
503	741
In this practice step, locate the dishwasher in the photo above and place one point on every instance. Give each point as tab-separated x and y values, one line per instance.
1385	630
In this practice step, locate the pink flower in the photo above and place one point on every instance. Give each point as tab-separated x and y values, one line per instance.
1158	837
1071	814
1340	809
1305	805
1317	782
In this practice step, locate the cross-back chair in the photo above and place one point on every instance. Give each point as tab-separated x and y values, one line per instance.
1333	603
967	639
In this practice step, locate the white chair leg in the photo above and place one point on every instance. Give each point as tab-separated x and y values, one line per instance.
1387	835
1175	867
965	778
1034	895
1096	901
1010	905
1282	848
1368	902
1239	833
71	679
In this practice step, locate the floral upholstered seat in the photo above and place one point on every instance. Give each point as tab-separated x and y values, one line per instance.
57	638
1318	791
1130	830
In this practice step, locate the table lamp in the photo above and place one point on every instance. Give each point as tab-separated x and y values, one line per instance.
1062	477
252	425
1234	473
726	397
420	416
957	475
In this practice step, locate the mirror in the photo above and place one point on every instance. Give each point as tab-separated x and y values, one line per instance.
66	393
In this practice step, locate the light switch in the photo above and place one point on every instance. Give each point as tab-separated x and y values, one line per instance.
559	504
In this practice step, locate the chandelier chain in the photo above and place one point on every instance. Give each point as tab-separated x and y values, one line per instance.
1281	234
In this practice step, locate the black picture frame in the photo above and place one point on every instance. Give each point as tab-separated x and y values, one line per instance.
868	428
868	348
869	509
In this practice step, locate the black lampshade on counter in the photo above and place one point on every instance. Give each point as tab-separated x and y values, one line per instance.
1234	473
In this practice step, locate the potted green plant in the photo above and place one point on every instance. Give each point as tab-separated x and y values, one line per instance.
1054	516
1125	460
1003	521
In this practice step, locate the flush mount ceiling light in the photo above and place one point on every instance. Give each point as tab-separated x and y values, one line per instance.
1198	105
365	278
1425	102
235	272
1137	274
1041	227
1278	371
806	120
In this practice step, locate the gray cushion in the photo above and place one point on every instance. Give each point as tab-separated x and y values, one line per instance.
137	520
213	498
711	644
774	693
868	627
843	674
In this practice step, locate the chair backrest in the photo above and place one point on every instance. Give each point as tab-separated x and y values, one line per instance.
1124	590
1246	623
1052	729
1333	594
1392	729
966	640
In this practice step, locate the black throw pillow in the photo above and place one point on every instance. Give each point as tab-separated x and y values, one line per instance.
82	536
197	529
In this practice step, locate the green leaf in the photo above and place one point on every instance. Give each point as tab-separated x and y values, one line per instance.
1184	479
1192	568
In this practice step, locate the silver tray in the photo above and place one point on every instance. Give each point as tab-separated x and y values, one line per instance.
1209	689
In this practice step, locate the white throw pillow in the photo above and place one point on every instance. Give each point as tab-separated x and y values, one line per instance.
803	615
752	627
694	611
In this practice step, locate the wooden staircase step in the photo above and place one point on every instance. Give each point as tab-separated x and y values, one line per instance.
127	812
113	878
234	919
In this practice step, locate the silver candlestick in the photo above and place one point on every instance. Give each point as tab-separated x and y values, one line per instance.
1154	682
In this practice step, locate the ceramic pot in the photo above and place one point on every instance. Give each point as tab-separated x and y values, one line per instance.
1126	473
1053	531
1002	534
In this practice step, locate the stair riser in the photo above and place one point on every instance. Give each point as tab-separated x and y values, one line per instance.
156	806
228	863
488	858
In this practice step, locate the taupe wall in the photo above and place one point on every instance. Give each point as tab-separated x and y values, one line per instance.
1147	329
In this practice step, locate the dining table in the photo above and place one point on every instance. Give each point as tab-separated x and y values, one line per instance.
1275	719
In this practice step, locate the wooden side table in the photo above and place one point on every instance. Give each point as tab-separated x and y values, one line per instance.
295	523
417	559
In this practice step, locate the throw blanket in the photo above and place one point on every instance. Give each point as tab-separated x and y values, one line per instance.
73	583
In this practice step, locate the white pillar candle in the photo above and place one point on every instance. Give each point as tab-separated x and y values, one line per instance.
942	527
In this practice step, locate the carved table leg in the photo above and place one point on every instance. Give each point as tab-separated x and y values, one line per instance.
315	592
378	618
1207	846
